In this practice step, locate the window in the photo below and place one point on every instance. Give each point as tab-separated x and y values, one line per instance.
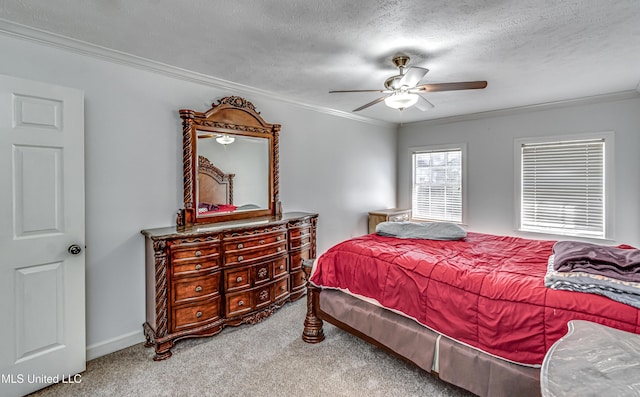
437	190
563	185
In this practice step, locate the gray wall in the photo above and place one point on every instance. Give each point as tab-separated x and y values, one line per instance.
338	167
490	148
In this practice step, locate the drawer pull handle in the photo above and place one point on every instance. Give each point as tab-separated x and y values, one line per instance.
198	288
240	258
240	245
198	266
282	288
240	303
279	238
239	280
261	241
279	249
281	267
199	314
198	253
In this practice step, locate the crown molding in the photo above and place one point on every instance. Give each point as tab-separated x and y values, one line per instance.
610	97
16	30
20	31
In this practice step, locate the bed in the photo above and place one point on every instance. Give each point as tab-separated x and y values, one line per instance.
215	189
474	311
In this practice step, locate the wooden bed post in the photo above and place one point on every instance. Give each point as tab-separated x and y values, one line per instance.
312	332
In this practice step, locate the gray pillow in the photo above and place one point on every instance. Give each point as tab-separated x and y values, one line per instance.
422	230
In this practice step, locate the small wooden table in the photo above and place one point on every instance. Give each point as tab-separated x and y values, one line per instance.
390	215
592	360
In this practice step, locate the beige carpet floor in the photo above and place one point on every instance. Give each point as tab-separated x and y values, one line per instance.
267	359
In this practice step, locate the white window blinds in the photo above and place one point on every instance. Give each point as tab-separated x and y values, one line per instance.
562	187
437	185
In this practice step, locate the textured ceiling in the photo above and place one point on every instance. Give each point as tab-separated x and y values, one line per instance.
530	52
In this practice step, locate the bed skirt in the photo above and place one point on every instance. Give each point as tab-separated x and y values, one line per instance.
458	364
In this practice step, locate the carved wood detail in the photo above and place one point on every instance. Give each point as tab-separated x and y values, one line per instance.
312	332
276	167
314	231
187	158
161	287
262	315
234	127
254	231
237	102
198	239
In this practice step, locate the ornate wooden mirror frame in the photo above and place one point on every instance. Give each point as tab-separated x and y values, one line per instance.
234	116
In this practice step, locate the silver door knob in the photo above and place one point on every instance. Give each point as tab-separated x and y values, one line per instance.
74	249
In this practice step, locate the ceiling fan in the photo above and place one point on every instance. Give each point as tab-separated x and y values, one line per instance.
403	90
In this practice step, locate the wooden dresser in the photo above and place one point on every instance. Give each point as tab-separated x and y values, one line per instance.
204	277
391	215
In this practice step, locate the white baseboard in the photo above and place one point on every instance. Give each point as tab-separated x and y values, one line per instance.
115	344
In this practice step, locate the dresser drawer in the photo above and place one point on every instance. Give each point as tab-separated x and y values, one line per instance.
281	289
254	275
196	314
298	280
300	231
262	273
262	296
192	288
279	266
238	303
257	298
254	254
194	251
301	241
296	258
235	244
194	267
237	279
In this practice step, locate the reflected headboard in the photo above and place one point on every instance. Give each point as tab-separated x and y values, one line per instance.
214	186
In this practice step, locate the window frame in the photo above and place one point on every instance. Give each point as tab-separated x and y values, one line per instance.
608	181
439	148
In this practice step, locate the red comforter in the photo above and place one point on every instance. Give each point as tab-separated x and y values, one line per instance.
486	291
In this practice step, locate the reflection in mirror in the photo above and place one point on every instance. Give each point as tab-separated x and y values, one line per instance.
235	140
243	166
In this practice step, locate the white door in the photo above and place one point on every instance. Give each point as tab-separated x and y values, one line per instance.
42	295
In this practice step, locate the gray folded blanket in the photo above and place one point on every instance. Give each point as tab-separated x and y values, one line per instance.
421	230
615	262
613	288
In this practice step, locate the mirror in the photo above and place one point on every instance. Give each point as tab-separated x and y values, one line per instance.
246	162
230	159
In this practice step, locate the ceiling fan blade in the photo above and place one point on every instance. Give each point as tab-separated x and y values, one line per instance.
423	104
412	76
370	103
338	91
463	85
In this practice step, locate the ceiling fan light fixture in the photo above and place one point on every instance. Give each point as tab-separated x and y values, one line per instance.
401	100
225	139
